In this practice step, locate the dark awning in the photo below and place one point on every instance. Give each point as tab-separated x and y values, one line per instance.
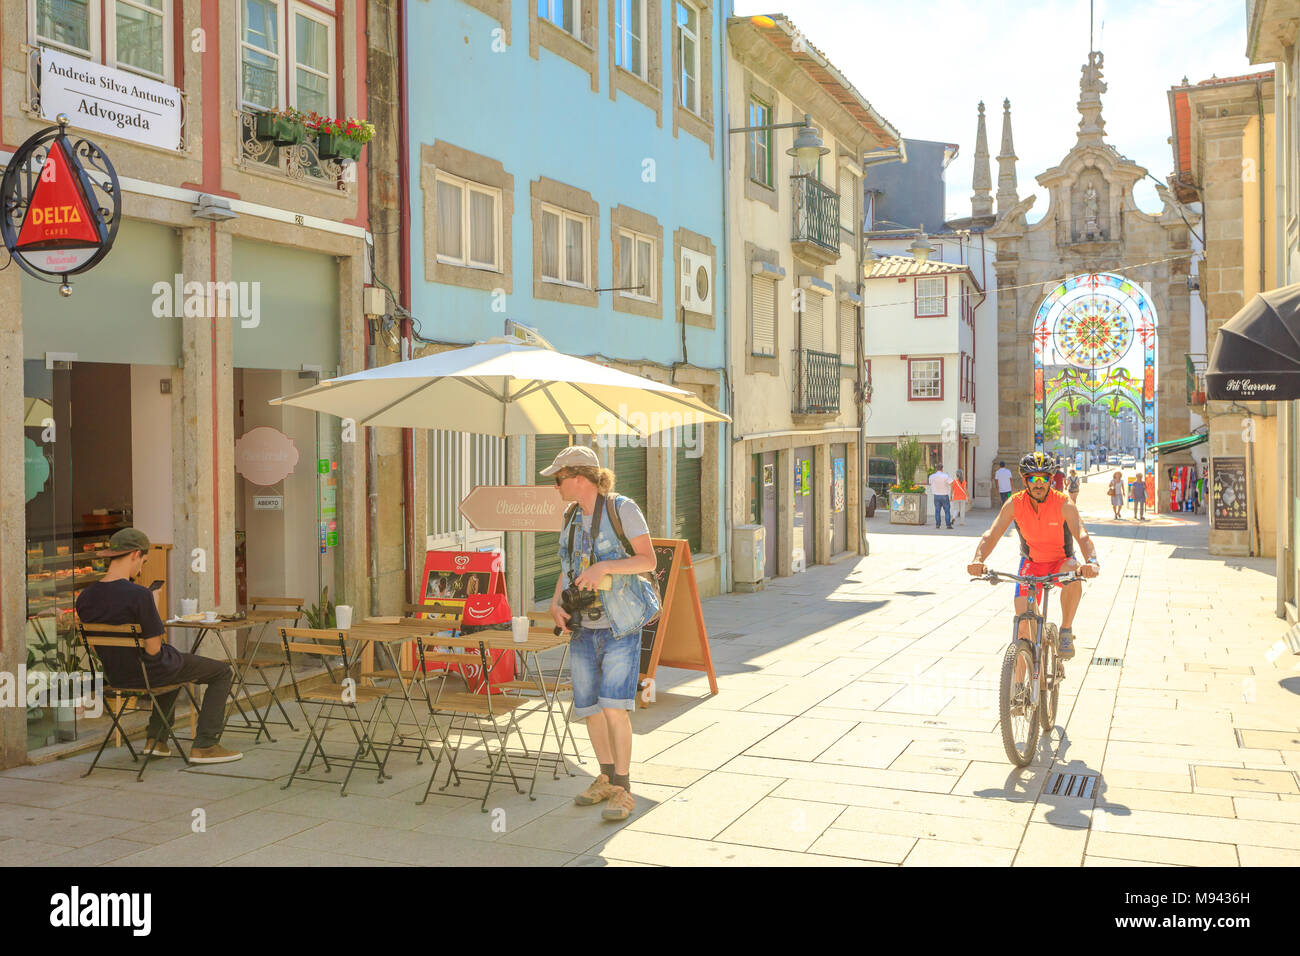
1178	444
1256	354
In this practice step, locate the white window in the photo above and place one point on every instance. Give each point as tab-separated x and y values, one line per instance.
764	290
931	296
688	49
469	224
926	378
848	190
564	247
565	14
636	265
286	56
848	333
760	143
630	36
136	35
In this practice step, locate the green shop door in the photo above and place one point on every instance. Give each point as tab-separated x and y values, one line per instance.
687	477
546	546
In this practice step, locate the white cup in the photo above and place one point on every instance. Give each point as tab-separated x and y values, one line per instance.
189	605
209	616
519	629
343	616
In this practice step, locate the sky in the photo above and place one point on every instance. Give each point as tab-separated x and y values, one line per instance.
925	67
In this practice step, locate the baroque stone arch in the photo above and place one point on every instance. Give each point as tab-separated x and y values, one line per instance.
1093	321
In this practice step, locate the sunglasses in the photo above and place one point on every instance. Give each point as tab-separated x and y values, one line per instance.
1037	479
562	474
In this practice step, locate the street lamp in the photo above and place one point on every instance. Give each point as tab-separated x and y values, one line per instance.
808	146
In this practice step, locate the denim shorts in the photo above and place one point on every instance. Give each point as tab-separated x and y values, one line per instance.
605	670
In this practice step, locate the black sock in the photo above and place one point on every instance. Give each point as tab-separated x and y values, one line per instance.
623	780
608	770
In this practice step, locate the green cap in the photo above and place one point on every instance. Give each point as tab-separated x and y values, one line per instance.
124	542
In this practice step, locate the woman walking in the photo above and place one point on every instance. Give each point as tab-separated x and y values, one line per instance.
959	496
1116	491
1073	486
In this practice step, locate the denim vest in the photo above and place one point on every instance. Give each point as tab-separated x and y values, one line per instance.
631	602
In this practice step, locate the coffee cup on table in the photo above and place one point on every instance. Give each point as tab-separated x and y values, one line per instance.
209	616
519	629
343	616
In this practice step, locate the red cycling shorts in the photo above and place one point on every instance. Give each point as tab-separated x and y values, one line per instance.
1037	569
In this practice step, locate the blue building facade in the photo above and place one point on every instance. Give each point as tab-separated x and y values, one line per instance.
566	173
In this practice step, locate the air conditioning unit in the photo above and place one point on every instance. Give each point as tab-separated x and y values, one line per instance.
749	555
697	281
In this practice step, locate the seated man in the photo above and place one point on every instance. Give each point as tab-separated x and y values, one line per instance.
116	599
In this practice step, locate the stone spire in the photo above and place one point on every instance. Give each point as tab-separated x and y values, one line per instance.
981	202
1007	195
1092	128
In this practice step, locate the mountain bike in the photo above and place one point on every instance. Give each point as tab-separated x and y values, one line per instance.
1024	708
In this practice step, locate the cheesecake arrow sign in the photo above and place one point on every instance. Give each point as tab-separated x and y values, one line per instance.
514	508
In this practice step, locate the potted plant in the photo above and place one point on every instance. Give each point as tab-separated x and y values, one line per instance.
906	497
282	127
59	659
340	139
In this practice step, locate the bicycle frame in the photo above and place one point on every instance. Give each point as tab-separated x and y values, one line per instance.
1031	613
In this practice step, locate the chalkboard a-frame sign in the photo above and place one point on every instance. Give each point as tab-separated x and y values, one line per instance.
678	638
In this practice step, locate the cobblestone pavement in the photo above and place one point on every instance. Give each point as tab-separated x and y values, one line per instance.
856	725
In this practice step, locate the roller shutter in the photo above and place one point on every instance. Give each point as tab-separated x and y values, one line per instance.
687	476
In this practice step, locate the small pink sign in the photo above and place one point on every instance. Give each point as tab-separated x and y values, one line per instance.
265	456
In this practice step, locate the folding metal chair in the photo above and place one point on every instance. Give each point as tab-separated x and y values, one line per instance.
342	697
263	653
126	635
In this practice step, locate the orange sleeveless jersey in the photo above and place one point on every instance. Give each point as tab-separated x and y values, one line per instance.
1044	535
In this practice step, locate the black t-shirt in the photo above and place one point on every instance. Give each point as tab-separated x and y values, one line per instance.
123	602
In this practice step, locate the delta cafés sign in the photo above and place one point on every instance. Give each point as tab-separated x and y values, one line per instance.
60	205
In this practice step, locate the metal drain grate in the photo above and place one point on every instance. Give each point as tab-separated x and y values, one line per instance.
1108	661
1082	785
911	569
725	636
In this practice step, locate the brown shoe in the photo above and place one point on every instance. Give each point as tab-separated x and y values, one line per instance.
619	807
214	754
153	748
599	791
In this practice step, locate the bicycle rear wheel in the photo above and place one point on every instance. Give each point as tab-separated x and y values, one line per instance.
1018	718
1050	681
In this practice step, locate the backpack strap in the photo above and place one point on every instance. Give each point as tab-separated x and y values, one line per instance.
616	523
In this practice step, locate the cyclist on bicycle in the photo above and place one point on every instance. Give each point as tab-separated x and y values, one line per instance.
1049	524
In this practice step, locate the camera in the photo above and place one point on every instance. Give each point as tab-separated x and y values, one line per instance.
575	601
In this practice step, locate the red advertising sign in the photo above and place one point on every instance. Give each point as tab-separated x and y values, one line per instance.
58	215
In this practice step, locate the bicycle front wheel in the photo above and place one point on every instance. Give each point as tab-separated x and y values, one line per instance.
1050	685
1018	717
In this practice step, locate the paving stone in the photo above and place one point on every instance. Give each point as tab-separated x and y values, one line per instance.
1147	849
1046	844
939	853
707	807
782	824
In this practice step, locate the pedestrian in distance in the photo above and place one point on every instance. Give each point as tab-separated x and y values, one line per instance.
1058	480
1116	492
960	495
941	488
1003	478
1072	485
1140	497
604	596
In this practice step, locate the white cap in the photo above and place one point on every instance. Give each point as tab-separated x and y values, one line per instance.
575	456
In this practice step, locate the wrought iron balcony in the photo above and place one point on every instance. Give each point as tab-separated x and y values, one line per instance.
300	162
1196	363
817	383
816	224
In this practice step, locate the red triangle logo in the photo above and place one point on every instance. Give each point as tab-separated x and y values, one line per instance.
58	215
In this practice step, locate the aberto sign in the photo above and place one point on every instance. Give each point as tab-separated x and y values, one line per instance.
60	205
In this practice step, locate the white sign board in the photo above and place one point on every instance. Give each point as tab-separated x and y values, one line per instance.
268	502
968	423
100	99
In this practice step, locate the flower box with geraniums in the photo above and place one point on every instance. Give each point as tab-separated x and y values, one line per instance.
907	498
338	138
281	127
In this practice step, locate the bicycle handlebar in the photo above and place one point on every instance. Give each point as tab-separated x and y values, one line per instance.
1060	577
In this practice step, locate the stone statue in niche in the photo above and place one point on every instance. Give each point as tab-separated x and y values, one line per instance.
1090	211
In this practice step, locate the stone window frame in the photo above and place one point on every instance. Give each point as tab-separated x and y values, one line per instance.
581	51
685	239
634	220
498	10
649	91
476	168
756	89
550	192
765	364
699	124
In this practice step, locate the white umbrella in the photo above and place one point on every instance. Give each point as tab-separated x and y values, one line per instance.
504	388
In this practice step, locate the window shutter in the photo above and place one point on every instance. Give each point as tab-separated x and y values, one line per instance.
764	291
813	337
848	328
848	189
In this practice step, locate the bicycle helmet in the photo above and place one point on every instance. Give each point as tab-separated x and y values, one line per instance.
1037	463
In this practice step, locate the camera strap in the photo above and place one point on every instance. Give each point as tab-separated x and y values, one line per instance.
595	527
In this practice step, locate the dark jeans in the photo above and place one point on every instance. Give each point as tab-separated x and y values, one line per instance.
216	676
942	503
1005	495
